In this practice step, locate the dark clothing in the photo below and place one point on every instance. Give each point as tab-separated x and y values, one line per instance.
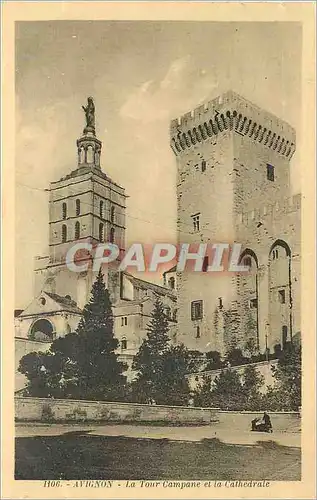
264	425
267	420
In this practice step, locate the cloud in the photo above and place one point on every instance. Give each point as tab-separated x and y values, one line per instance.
183	86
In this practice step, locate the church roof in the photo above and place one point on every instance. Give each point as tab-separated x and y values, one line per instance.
67	303
87	170
146	285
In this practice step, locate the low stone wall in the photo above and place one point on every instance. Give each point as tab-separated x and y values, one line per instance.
67	410
281	421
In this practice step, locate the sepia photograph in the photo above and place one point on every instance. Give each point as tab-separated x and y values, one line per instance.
158	253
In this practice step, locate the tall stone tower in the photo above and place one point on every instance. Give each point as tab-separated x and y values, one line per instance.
87	206
232	158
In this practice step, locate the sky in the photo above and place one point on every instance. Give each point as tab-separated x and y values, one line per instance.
141	74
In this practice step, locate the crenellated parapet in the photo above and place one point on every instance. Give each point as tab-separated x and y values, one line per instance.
231	112
271	211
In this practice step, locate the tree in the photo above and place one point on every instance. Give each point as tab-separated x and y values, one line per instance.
235	357
40	384
227	391
252	382
98	370
174	388
214	361
149	361
196	361
83	364
53	373
288	376
251	347
202	394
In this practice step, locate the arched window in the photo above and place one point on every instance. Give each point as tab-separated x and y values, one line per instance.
64	210
101	209
112	214
77	231
42	330
64	233
111	235
97	158
124	344
77	207
90	154
101	232
82	155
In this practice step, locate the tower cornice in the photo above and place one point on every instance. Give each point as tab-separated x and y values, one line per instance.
231	112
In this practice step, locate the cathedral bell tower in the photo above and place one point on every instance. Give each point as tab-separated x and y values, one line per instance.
85	206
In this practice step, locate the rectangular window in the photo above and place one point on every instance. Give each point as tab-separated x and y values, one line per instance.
203	165
196	222
197	309
270	172
253	303
281	296
125	321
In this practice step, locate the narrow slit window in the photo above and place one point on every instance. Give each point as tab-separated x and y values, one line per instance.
101	232
197	332
270	172
112	211
281	296
101	209
77	231
205	264
64	211
64	233
77	207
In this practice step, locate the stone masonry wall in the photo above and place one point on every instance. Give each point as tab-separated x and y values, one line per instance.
66	410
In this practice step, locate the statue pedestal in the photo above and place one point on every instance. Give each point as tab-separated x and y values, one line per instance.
89	131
